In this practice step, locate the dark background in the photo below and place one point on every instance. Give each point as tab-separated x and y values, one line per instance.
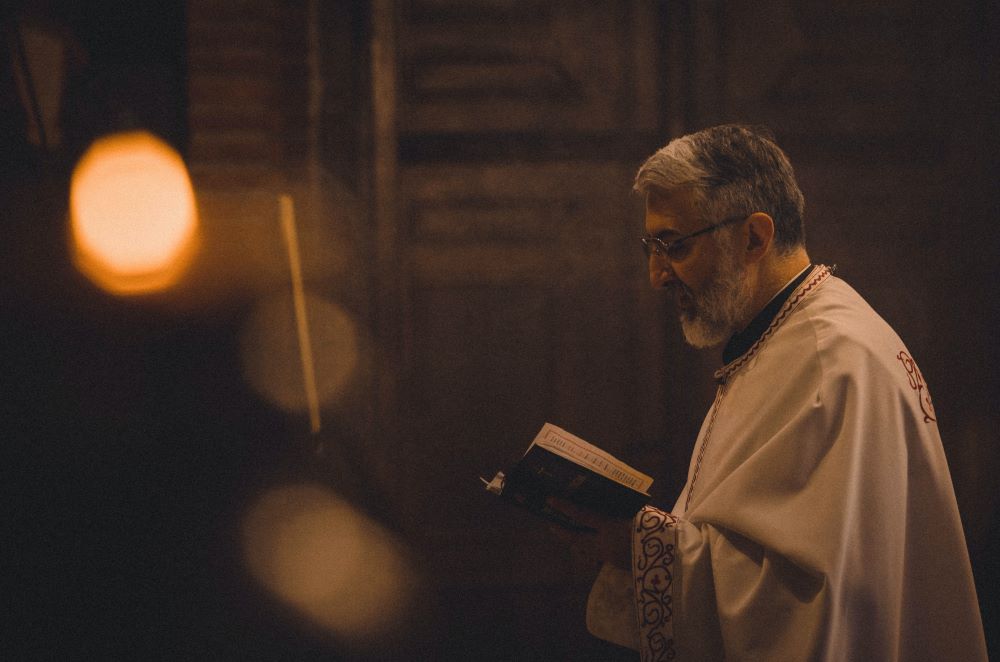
466	199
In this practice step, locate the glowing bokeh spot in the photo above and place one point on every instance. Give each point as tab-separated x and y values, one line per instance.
271	355
336	566
133	220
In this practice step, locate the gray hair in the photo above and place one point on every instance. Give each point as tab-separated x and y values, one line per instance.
733	170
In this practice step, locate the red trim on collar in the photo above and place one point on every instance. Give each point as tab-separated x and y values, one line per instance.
820	273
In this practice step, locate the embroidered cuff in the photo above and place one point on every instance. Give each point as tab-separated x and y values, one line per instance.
653	553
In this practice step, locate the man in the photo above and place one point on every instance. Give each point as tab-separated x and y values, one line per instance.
818	521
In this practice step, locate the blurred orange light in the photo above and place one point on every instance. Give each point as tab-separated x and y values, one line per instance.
133	219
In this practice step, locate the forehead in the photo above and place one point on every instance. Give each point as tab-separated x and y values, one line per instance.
671	212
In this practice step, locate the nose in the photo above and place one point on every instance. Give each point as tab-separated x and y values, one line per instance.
661	273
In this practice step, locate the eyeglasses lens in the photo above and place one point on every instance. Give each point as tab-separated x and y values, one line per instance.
673	250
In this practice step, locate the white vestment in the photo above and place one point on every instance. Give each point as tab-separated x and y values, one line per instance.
818	521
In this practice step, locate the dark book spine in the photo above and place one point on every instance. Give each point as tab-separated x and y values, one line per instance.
541	474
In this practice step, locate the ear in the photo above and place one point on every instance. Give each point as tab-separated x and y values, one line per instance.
760	234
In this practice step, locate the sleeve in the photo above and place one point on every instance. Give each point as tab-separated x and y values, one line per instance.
611	609
633	608
636	609
671	606
654	572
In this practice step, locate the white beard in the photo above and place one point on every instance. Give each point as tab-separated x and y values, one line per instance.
713	316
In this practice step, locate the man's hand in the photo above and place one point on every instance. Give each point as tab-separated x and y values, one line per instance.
610	541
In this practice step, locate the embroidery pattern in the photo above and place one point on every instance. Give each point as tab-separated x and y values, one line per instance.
653	558
917	384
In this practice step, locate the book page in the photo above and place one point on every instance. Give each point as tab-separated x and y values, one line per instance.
571	447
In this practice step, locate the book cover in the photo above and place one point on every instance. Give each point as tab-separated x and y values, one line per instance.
559	464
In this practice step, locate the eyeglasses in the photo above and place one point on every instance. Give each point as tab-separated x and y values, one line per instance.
676	249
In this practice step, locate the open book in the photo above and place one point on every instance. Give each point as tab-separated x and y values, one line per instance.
559	464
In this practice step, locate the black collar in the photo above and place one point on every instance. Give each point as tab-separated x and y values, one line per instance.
741	342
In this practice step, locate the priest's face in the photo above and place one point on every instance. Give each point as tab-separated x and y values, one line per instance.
706	274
